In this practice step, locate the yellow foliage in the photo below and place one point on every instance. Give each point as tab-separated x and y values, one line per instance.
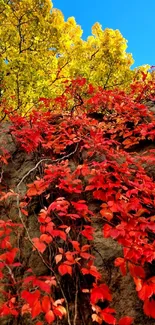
40	50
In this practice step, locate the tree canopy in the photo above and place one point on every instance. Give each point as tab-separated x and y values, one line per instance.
40	50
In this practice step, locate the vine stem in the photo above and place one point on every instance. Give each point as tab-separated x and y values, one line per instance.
30	240
10	271
76	301
46	160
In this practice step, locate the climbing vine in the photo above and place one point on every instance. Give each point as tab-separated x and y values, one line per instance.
84	158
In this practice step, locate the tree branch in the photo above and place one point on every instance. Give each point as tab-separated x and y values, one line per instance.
46	160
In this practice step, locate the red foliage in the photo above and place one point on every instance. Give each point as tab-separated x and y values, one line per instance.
85	158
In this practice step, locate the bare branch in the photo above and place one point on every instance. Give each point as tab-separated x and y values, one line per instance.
93	55
109	74
80	103
46	160
76	301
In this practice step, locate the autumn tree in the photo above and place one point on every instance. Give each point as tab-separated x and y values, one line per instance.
40	50
25	39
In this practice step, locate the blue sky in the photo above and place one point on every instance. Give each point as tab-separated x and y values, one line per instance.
134	18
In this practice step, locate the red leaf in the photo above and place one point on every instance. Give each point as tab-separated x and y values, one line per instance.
42	285
106	231
76	245
149	308
36	309
46	304
5	310
119	261
138	283
46	238
106	213
32	190
58	233
50	317
108	318
89	187
73	216
39	245
9	256
126	321
100	292
29	278
64	269
36	188
86	255
69	257
88	232
113	206
85	248
58	258
60	311
100	195
93	271
136	271
146	291
24	212
30	297
80	205
109	310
